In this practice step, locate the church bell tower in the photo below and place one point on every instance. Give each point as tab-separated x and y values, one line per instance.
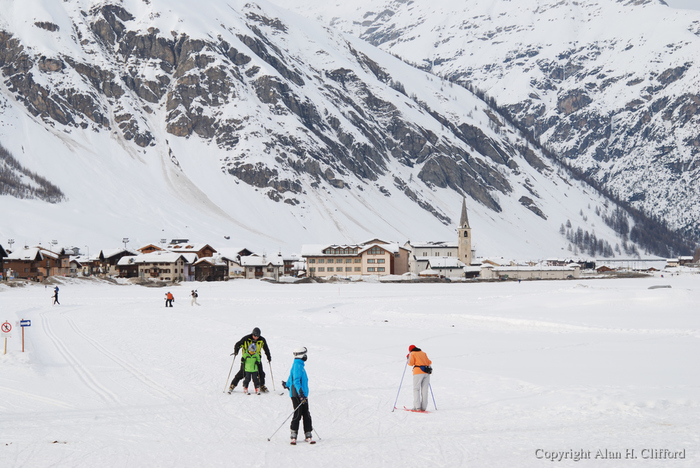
464	243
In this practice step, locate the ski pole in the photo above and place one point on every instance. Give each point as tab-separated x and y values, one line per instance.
432	395
272	377
397	393
295	410
229	372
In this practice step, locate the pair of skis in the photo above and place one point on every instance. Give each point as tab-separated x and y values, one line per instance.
310	441
413	410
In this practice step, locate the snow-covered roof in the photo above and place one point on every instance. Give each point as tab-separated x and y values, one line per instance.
25	254
109	253
214	261
232	253
432	244
570	267
254	260
158	257
442	263
393	248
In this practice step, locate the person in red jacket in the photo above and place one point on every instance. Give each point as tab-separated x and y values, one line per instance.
421	377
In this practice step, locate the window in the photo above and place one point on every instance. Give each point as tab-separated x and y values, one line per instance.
348	268
425	254
321	269
370	260
348	260
339	260
449	254
321	260
358	269
380	269
370	269
358	260
312	260
381	260
375	251
312	269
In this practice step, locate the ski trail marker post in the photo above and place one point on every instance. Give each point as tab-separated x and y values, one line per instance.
24	323
6	330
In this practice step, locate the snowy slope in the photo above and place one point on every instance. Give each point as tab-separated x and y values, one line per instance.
163	119
611	85
112	378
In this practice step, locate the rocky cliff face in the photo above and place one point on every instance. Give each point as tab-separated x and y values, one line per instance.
349	127
296	113
611	86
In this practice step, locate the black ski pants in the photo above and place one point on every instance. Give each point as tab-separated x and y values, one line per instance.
241	373
301	412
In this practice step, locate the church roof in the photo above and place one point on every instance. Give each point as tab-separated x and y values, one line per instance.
464	219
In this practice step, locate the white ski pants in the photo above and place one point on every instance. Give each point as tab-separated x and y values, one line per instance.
421	387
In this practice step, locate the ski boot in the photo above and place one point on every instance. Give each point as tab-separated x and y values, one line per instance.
245	390
263	389
257	391
230	389
293	438
309	438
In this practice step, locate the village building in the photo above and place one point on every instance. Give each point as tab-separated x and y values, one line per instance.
257	267
537	272
3	254
443	267
232	257
159	266
211	269
106	262
430	255
377	257
36	264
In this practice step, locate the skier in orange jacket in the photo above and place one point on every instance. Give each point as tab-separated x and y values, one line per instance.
421	377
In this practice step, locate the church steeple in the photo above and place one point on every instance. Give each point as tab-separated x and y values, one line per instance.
464	242
464	219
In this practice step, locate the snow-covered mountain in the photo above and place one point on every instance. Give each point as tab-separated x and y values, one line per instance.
245	122
613	86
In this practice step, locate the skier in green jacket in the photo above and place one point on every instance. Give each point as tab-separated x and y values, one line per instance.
251	361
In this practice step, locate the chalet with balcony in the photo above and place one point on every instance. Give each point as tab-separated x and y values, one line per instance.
36	263
159	266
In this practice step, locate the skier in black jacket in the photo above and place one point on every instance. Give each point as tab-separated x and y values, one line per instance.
244	343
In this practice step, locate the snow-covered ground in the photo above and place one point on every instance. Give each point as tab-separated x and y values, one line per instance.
111	378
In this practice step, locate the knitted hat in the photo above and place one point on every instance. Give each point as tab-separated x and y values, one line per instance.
411	348
256	331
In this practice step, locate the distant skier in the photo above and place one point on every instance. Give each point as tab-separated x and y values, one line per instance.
244	344
169	298
251	362
55	296
298	385
421	377
194	297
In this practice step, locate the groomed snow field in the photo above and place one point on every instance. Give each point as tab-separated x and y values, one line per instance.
600	372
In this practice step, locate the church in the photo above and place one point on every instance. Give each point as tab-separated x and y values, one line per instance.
444	258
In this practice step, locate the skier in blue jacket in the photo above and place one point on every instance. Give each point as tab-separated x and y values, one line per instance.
298	385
